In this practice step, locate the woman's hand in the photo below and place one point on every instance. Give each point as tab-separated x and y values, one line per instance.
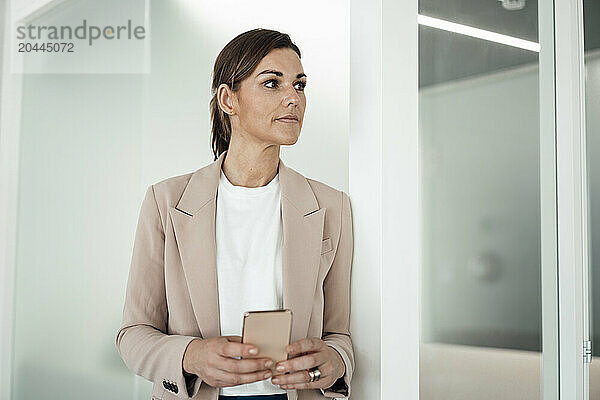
212	360
309	353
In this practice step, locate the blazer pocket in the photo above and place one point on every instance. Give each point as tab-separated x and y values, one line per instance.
326	246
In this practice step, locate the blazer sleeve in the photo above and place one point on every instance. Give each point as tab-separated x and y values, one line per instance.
142	341
336	314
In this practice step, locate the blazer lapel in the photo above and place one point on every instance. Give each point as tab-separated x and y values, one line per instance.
194	219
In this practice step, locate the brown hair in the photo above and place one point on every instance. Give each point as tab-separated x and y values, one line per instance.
235	62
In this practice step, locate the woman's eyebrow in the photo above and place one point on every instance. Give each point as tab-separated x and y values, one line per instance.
270	71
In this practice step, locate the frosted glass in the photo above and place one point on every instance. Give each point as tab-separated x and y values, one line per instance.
481	309
79	178
80	181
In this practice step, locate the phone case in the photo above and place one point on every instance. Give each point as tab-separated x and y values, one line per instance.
270	331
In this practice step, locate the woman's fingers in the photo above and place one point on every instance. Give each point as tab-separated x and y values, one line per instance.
235	349
306	361
301	379
225	378
244	365
295	377
305	345
217	361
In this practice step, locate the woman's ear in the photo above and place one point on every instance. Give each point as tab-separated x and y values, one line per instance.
226	99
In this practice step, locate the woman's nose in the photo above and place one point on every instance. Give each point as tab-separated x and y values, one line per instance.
291	96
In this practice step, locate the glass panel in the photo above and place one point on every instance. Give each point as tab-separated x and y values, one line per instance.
78	201
480	189
591	19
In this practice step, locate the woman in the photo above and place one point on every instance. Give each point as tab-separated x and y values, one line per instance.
270	237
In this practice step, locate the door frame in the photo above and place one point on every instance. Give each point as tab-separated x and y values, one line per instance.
548	205
572	195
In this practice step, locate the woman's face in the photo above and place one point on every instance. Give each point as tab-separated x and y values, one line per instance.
273	90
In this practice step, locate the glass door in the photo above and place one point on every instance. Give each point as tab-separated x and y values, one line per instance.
487	212
508	189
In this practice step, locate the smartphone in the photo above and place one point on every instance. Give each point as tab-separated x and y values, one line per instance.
270	331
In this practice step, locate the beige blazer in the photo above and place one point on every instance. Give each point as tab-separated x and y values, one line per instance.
172	295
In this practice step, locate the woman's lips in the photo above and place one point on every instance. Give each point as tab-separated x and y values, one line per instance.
287	120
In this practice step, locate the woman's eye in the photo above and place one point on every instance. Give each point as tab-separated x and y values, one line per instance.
275	84
271	80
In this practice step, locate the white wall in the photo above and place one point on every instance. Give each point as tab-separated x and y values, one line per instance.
365	194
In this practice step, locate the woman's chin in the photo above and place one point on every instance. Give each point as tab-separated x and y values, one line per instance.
288	138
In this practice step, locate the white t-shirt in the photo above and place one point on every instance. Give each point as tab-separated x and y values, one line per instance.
249	265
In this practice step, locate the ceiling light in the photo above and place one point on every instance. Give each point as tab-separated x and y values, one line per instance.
478	33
